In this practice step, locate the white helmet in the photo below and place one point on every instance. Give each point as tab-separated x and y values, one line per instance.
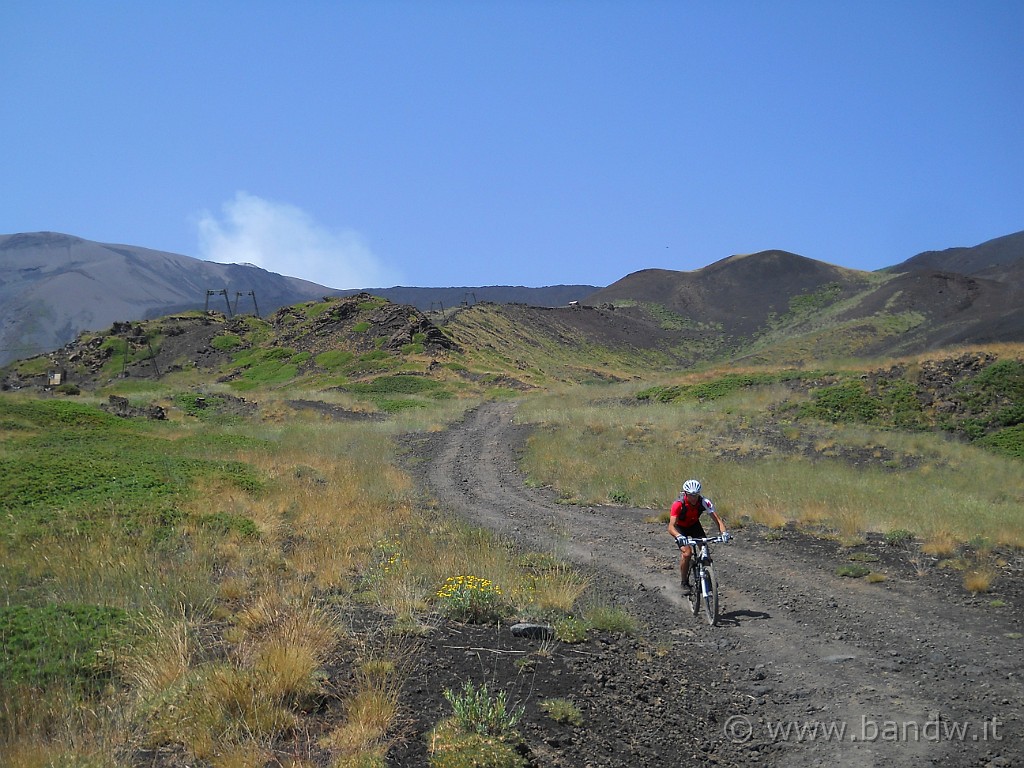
691	486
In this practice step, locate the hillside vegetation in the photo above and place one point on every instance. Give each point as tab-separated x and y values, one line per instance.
234	580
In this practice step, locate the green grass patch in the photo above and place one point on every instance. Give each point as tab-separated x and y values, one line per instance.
722	386
225	522
1009	441
610	618
562	711
58	644
74	467
863	557
226	342
267	367
334	359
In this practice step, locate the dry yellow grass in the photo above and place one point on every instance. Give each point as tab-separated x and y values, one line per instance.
165	658
555	589
978	580
942	543
371	710
42	731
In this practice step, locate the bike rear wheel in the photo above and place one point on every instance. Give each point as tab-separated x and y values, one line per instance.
707	594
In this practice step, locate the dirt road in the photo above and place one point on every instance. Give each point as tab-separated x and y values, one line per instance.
806	668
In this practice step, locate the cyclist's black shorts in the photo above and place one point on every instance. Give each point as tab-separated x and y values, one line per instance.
695	531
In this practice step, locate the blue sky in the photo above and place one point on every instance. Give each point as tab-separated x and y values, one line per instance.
370	144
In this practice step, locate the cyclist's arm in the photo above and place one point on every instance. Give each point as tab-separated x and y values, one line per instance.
717	519
673	516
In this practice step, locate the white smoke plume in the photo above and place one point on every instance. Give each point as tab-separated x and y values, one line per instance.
282	238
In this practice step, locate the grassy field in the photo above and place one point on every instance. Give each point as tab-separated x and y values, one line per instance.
766	452
183	585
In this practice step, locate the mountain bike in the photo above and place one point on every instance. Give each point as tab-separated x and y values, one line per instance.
702	578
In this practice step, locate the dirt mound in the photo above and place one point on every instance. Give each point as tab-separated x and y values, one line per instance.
154	348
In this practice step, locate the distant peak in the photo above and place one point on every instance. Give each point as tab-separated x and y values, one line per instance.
38	240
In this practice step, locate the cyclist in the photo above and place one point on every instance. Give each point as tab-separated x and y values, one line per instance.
684	522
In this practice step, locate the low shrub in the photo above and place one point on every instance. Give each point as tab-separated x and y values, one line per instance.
562	711
477	710
571	629
899	537
845	402
608	618
472	599
452	748
1009	441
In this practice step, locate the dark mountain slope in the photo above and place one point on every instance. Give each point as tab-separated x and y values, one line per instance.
53	286
739	293
773	305
1002	255
956	308
427	299
780	306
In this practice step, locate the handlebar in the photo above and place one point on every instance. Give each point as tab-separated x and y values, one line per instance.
689	542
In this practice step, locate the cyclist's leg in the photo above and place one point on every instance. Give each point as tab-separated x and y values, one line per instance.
695	531
685	556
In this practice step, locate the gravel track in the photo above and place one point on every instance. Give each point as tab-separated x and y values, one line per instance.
912	671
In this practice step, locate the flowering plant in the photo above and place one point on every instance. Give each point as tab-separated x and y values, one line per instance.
472	599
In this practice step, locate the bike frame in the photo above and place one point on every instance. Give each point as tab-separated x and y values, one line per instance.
701	566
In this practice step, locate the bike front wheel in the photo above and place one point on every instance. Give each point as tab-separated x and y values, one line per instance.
707	594
694	581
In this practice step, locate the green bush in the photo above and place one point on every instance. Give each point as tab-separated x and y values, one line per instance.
1009	441
845	402
898	400
1003	380
570	629
618	497
476	710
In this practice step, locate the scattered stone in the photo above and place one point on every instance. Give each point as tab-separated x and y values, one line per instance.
533	631
120	406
